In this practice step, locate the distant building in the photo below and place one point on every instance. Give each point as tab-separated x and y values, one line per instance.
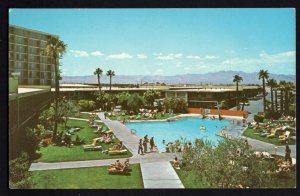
26	57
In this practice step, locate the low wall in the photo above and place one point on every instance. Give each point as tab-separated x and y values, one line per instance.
215	112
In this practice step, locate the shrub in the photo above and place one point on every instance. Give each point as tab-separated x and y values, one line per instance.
86	105
32	141
19	176
258	118
273	115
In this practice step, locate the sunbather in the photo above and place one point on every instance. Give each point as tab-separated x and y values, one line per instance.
175	163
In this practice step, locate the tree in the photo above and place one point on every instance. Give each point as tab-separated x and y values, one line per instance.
98	72
237	79
55	48
282	84
244	100
110	73
287	88
272	84
263	74
135	102
123	100
150	95
67	108
86	105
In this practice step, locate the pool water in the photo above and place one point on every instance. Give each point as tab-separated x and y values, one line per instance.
187	128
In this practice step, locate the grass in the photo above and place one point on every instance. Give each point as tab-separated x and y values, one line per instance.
53	153
251	134
84	116
87	178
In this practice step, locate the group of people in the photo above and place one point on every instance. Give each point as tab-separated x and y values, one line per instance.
107	138
118	166
143	145
119	146
170	147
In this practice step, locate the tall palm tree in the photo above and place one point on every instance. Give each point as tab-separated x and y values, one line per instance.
244	100
55	49
272	84
288	87
110	73
263	74
98	72
282	84
237	79
276	96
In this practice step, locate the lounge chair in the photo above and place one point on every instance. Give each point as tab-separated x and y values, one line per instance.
117	152
113	170
92	148
93	144
285	137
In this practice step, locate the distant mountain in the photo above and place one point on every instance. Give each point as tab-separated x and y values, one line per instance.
221	77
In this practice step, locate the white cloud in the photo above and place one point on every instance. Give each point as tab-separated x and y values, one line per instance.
120	56
211	57
96	53
170	56
263	59
279	56
82	53
193	57
79	53
141	56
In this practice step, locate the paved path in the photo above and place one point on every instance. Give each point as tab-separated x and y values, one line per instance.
124	134
160	175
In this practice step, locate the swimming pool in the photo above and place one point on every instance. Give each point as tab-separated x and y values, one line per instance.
188	128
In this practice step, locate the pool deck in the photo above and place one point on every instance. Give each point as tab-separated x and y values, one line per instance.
157	172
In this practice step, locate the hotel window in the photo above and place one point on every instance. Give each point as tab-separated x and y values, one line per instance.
33	42
20	40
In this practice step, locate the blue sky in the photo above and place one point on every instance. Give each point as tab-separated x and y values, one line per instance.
168	41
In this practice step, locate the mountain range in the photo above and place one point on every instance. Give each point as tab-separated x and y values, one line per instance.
220	77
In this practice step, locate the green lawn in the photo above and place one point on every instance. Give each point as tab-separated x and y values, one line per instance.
84	116
251	133
76	153
87	178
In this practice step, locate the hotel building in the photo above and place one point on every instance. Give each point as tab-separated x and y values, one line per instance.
26	56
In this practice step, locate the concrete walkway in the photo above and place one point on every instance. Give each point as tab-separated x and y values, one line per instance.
160	175
124	134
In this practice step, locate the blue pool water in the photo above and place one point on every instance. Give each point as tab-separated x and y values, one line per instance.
188	128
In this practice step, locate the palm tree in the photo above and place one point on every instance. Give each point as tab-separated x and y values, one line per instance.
237	79
287	88
276	97
263	74
110	73
244	100
282	84
272	84
55	49
98	72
